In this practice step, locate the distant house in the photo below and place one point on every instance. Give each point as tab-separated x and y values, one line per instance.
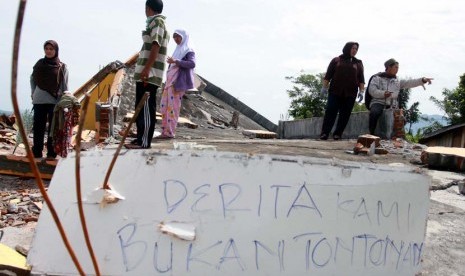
450	136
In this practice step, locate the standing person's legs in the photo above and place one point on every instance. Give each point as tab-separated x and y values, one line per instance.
165	108
39	123
152	106
375	112
146	119
332	107
345	109
140	117
171	108
50	150
177	101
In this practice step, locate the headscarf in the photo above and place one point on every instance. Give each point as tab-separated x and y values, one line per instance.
46	72
347	48
183	48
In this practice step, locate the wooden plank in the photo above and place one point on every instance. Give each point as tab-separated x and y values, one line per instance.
262	134
19	165
187	123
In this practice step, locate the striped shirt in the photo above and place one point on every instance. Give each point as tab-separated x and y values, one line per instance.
156	32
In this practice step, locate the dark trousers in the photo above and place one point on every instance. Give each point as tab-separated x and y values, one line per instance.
43	114
335	105
145	121
376	110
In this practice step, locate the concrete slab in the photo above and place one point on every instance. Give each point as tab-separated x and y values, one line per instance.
252	215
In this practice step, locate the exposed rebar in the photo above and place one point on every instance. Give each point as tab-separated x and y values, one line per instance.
141	103
78	185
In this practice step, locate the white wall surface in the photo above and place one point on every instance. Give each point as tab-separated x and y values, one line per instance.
253	215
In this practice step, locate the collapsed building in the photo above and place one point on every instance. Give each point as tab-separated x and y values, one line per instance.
112	102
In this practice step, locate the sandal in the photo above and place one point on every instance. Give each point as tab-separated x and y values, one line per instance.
131	146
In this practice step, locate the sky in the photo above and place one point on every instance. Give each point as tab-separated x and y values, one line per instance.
247	48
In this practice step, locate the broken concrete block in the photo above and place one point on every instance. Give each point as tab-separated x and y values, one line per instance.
187	123
358	148
366	140
447	158
262	134
235	119
381	150
461	185
12	262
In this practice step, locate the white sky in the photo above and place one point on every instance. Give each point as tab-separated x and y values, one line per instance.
245	47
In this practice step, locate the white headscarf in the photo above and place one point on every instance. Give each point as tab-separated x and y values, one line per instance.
183	48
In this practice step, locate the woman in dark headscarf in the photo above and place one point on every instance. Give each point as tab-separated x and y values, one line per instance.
48	81
343	77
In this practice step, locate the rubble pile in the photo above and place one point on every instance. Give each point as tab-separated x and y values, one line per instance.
18	207
7	129
369	144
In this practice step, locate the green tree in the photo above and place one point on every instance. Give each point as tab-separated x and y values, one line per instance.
306	101
453	104
403	98
412	116
432	127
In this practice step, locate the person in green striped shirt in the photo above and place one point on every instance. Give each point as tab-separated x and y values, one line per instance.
150	67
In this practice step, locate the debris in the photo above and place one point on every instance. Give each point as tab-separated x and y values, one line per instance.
369	144
103	197
19	165
235	119
381	150
12	261
360	148
187	123
184	145
181	230
461	185
444	158
21	250
366	140
262	134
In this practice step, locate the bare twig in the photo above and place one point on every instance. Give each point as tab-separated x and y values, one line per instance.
14	78
106	185
78	185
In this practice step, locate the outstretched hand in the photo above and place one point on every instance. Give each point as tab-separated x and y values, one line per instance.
426	80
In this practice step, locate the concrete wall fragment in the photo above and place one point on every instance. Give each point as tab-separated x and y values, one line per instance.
237	215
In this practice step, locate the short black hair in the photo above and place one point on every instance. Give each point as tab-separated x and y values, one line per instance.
155	5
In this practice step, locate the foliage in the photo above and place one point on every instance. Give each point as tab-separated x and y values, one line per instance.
403	98
435	125
453	103
412	116
306	100
359	107
27	118
413	138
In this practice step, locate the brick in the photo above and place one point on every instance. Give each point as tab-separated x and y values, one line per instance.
366	140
